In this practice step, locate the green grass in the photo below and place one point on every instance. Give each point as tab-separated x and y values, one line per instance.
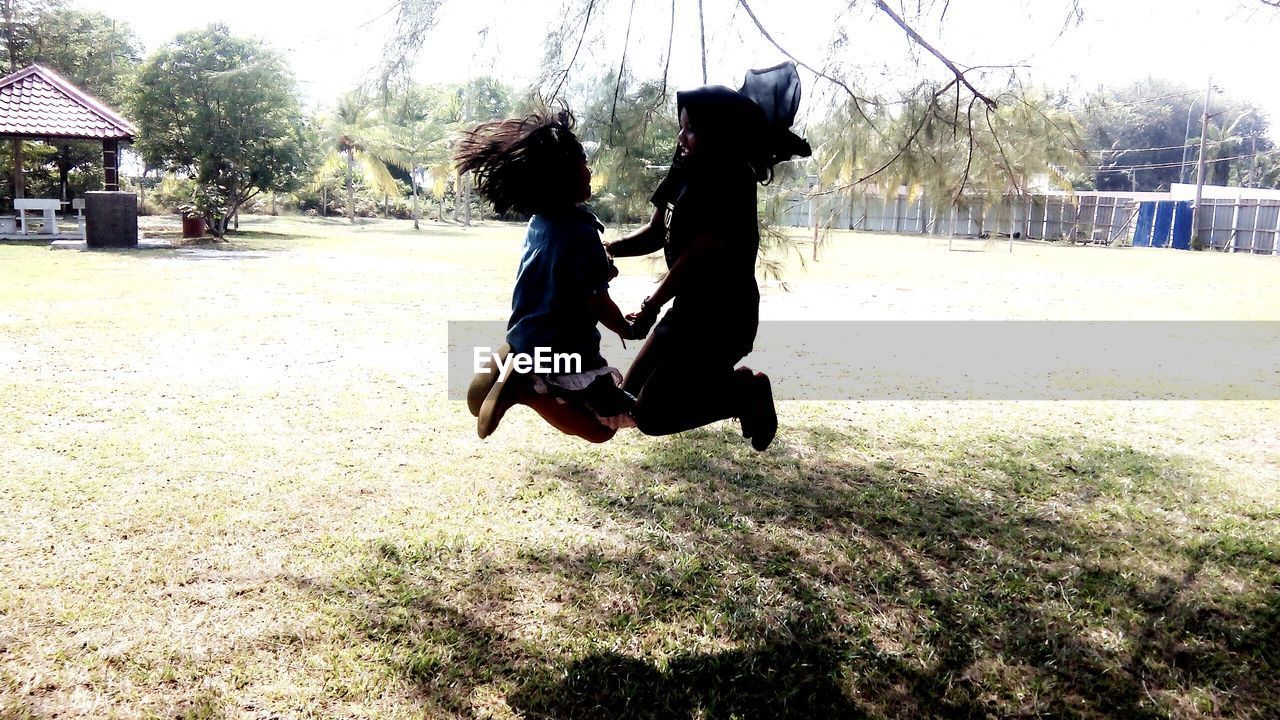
231	486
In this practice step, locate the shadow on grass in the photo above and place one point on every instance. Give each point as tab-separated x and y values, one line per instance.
1053	576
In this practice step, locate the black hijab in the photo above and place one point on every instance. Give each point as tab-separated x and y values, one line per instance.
751	124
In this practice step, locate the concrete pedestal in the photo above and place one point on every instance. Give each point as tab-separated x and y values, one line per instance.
111	219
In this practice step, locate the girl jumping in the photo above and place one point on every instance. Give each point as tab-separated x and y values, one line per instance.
536	166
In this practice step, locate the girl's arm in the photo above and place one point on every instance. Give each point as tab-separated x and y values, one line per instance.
641	241
608	314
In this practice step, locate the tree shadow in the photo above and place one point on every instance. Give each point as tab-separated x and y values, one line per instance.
1017	578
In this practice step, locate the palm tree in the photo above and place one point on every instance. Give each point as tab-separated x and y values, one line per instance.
359	143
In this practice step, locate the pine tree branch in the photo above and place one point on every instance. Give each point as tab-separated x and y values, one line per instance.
622	68
960	74
858	101
564	74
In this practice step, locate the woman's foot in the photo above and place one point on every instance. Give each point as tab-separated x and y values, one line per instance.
746	380
766	421
483	382
760	418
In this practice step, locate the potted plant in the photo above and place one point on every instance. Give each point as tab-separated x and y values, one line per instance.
193	223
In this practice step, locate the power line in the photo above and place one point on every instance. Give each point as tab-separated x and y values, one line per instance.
1156	166
1153	149
1149	100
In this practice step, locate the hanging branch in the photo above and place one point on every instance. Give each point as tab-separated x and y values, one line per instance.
968	163
857	100
702	35
564	74
991	104
671	36
1004	159
622	68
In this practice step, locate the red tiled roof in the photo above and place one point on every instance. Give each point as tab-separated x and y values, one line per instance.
37	102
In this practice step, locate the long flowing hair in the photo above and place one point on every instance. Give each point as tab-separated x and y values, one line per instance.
529	165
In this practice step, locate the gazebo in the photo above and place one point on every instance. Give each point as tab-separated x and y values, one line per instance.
37	103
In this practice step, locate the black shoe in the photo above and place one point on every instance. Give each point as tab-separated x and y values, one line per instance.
764	423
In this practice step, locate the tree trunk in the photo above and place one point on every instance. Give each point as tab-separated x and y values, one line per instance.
414	181
324	201
440	208
457	197
467	215
273	204
351	189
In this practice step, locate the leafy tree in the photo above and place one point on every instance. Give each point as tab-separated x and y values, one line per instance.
222	110
96	53
587	26
417	141
634	134
91	50
929	146
358	142
1146	135
23	20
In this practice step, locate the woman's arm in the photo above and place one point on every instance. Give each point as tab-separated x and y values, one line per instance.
684	271
641	241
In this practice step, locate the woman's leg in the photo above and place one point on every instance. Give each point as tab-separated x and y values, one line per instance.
688	390
646	360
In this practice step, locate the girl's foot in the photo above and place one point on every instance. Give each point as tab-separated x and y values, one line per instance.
501	397
483	382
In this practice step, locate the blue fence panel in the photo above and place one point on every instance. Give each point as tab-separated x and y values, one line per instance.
1163	224
1142	231
1182	225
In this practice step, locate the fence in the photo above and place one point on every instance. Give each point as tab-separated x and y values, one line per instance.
1240	225
1233	225
1088	218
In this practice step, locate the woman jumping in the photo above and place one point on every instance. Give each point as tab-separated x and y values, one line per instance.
705	221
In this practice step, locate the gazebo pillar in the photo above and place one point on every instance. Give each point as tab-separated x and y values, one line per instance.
111	164
19	189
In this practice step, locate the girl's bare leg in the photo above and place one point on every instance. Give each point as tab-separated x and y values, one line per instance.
568	419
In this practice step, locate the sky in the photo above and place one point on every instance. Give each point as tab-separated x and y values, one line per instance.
335	45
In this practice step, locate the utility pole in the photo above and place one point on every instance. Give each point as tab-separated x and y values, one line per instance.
1204	135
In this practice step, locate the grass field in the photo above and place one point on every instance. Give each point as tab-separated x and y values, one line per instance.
231	486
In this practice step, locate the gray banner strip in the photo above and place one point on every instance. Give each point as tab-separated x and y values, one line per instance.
981	360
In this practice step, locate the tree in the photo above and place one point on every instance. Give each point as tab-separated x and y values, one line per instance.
588	24
1146	135
633	134
22	22
358	143
416	140
222	110
98	54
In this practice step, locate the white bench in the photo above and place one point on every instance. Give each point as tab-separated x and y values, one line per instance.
45	206
78	205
